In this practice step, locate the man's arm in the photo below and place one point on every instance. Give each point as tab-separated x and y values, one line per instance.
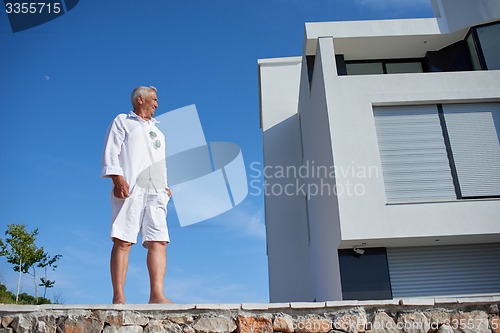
111	159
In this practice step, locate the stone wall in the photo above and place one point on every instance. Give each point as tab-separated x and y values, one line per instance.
446	315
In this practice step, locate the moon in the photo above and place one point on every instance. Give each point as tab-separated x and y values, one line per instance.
46	77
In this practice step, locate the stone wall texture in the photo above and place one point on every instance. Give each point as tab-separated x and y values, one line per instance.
446	315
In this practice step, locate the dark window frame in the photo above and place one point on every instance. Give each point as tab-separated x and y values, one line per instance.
387	61
477	47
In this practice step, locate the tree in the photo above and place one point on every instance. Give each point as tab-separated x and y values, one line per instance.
45	263
21	251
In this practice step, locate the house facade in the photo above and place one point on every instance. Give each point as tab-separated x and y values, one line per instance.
382	158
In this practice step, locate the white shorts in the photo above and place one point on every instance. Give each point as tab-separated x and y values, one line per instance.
145	210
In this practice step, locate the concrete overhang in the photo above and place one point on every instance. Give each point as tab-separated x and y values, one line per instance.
381	39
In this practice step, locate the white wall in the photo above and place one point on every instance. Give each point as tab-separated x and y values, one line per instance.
367	218
323	213
279	89
335	127
457	14
324	219
286	220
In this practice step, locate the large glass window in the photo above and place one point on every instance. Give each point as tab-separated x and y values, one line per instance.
403	67
490	45
384	67
356	283
363	68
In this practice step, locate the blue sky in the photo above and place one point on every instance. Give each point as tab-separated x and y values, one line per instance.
62	83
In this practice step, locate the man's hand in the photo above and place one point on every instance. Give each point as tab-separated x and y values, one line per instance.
120	187
169	193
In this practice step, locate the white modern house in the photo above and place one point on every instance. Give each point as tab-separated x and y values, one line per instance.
382	158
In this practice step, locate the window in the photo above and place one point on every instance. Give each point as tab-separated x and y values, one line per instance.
490	47
439	152
480	50
452	58
363	68
364	276
483	46
404	67
383	67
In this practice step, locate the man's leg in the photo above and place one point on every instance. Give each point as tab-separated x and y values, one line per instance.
119	265
157	264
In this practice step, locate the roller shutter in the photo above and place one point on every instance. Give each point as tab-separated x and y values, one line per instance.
474	130
456	270
413	154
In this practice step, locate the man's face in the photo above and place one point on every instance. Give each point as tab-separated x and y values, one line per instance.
150	103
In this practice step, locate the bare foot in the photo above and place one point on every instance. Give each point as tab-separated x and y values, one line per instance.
161	300
118	300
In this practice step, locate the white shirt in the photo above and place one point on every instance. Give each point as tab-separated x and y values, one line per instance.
135	149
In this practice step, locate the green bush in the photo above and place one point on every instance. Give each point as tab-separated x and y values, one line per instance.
6	297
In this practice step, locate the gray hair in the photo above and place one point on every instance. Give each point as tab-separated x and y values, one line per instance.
140	91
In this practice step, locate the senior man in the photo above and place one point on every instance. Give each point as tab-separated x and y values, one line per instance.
134	158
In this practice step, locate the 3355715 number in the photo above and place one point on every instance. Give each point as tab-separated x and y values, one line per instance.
33	7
